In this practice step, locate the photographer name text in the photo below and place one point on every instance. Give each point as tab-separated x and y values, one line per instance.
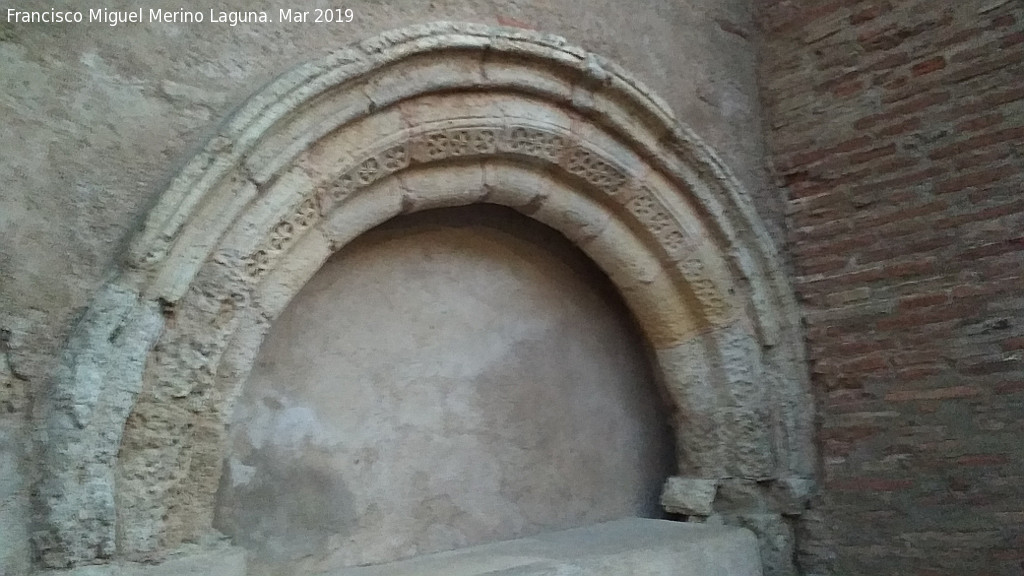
179	16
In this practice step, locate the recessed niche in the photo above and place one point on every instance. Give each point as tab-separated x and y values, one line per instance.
451	378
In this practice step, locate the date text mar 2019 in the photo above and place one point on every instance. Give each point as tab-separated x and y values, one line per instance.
317	16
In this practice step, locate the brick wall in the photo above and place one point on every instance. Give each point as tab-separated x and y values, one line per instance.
896	130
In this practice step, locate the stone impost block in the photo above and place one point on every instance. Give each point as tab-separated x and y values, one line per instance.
691	496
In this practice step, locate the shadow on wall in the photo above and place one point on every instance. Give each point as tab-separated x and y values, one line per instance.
450	378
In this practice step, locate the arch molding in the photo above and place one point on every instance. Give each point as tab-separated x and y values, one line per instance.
423	117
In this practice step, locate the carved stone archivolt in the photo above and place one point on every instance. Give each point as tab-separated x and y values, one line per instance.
424	117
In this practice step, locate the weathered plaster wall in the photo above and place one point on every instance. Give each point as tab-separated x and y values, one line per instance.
96	119
463	377
896	129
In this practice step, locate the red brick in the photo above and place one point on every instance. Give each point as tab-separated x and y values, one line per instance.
888	62
824	265
1012	40
815	217
811	156
974	52
984	157
857	347
821	230
896	183
893	251
852	434
1005	388
848	89
834	246
871	120
905	87
929	66
795	206
981	215
959	37
975	179
1009	134
923	300
994	249
982	460
883	166
992	99
784	18
881	39
921	103
900	214
912	268
873	484
1013	344
869	363
852	278
869	13
917	373
1013	554
993	366
1009	285
933	394
901	127
909	319
980	122
868	155
975	69
1003	20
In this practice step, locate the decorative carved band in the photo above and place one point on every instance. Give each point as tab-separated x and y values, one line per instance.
571	154
281	236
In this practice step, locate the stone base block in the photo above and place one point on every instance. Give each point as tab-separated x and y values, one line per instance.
638	547
227	561
634	546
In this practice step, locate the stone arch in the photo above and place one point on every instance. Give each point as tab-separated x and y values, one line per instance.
423	117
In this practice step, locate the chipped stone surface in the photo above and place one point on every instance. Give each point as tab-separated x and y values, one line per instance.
95	387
